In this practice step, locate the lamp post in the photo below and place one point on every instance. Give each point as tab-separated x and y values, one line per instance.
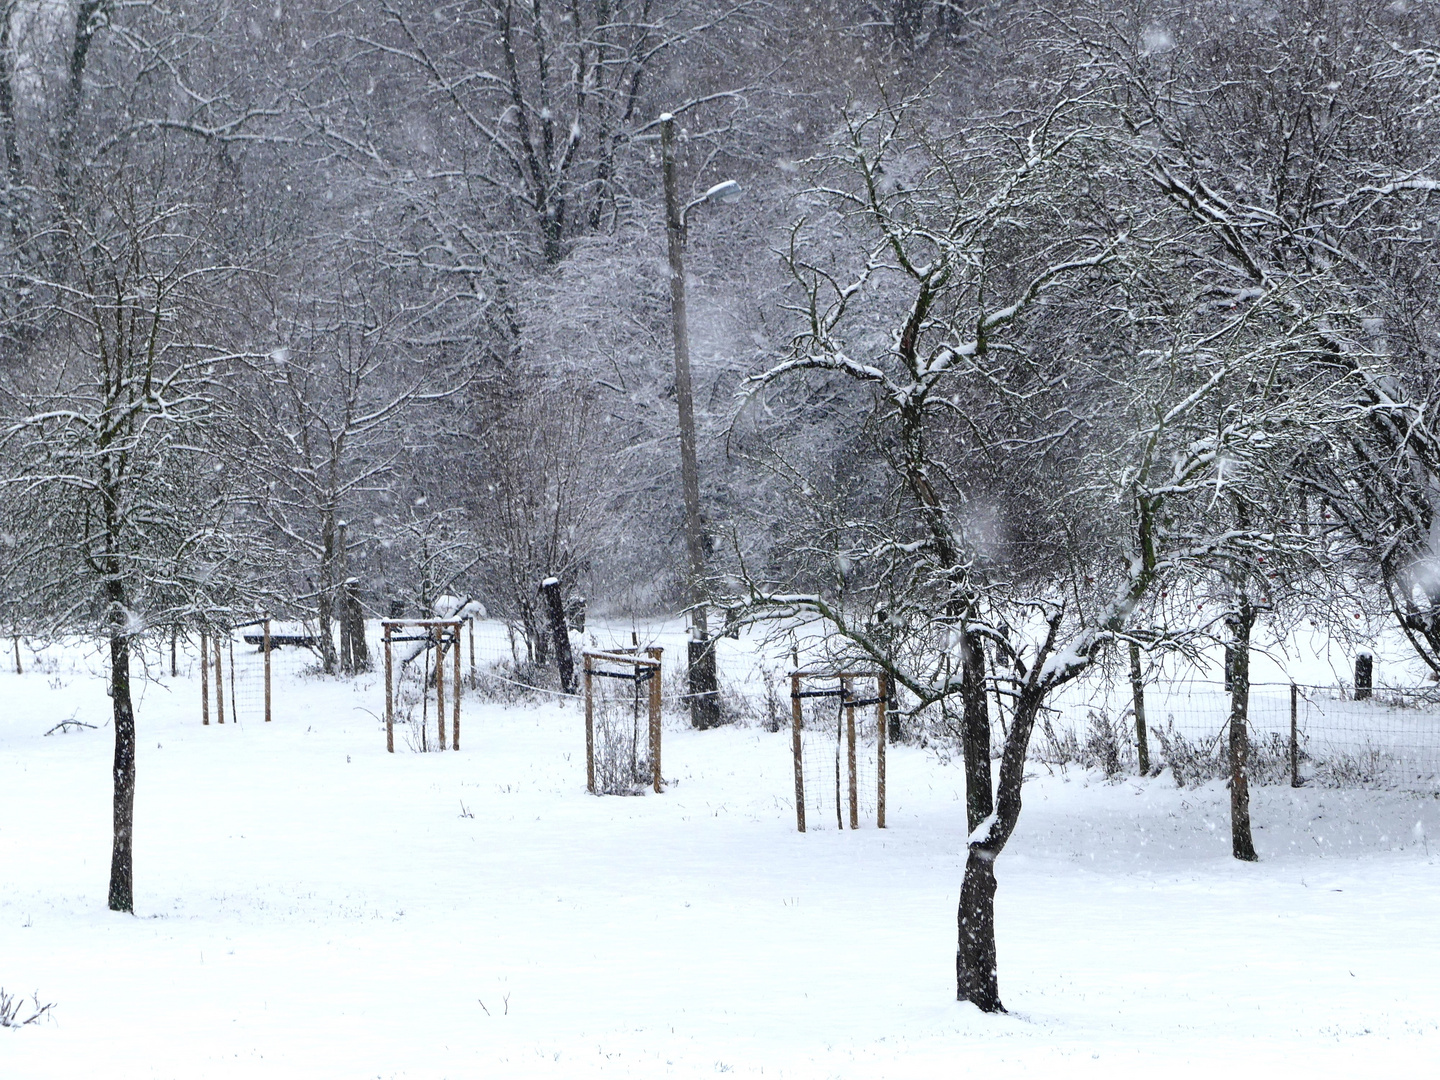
704	689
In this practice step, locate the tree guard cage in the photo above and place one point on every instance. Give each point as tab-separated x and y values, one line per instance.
613	679
249	683
821	770
423	639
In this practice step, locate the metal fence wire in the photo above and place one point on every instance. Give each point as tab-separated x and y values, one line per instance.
1326	735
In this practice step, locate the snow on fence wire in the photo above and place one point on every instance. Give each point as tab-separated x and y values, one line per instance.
1318	734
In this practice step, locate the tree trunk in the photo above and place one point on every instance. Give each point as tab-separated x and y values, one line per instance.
1242	844
975	734
977	977
1137	692
325	602
121	865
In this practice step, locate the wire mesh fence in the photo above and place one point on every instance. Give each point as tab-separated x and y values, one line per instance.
1297	733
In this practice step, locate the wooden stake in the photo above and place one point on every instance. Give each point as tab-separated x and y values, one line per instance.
266	646
455	735
204	677
473	676
796	718
589	728
850	754
654	654
389	694
439	636
21	671
234	708
882	686
1294	735
219	683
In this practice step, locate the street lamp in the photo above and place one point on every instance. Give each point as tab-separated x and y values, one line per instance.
704	687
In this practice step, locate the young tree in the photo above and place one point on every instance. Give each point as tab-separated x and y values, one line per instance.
105	439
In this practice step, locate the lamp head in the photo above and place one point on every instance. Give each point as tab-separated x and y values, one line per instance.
727	191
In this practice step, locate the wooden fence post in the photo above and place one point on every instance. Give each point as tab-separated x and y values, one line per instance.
234	707
389	695
439	636
219	684
265	645
882	686
797	718
1294	735
654	654
204	677
455	735
589	729
854	779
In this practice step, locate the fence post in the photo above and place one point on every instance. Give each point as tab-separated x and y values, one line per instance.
455	734
589	729
219	683
550	587
204	676
265	644
439	635
854	784
1364	676
796	719
654	654
1294	735
882	688
389	694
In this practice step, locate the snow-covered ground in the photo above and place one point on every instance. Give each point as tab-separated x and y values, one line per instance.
309	906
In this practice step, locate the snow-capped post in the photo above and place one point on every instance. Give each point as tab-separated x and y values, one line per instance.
589	725
1364	676
560	634
655	652
219	680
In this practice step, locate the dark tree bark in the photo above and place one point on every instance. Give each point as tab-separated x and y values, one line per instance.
975	733
123	710
1137	691
1241	620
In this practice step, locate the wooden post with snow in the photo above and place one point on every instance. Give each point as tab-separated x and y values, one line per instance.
560	634
219	683
455	734
265	644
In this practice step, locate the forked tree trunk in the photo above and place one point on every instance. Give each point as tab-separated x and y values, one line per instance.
1242	844
976	962
121	862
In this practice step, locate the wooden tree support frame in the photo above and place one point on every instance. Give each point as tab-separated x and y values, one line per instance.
844	690
636	662
223	638
438	634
